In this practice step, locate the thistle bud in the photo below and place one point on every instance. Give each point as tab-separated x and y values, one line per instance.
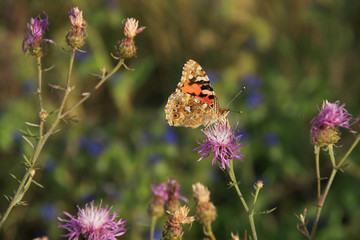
259	185
43	115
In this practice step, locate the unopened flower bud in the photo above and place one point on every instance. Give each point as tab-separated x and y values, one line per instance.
43	115
259	185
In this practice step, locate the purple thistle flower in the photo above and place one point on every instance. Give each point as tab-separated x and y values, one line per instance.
223	142
330	115
93	223
33	34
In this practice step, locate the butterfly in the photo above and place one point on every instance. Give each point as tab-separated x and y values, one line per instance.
194	102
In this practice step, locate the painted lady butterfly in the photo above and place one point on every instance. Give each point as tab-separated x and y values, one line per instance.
194	102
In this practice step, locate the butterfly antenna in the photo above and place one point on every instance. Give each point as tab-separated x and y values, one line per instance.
241	112
242	89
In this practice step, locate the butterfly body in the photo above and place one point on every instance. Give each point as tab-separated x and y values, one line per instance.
194	102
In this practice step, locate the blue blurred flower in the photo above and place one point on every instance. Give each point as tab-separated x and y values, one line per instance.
93	147
48	211
213	77
49	164
254	99
170	135
155	157
252	82
244	134
83	56
29	87
88	197
271	139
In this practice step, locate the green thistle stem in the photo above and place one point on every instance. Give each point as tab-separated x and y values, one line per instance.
318	177
250	213
209	232
30	172
322	198
152	227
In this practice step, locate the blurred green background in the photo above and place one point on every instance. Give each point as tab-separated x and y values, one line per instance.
290	56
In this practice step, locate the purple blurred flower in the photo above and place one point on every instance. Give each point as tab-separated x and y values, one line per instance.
223	142
33	35
330	115
160	190
93	223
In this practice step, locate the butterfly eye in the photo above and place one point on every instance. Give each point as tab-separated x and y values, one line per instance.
174	110
178	103
176	115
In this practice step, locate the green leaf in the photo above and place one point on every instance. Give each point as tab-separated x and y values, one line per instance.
29	142
14	177
37	184
27	160
32	124
267	211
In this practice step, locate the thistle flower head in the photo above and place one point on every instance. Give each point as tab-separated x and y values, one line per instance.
76	18
172	228
324	125
77	35
33	36
220	140
126	47
201	193
93	223
131	28
173	192
205	211
156	206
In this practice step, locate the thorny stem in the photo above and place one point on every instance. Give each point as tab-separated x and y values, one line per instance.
250	213
30	172
152	227
322	198
39	92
